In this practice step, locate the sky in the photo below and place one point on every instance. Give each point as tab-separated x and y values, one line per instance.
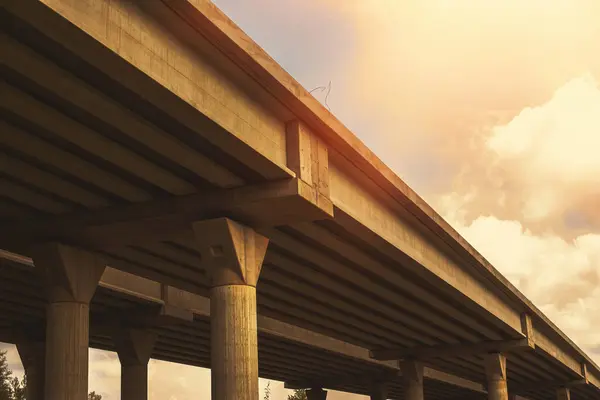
489	109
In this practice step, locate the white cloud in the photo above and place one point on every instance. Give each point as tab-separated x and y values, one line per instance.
513	205
561	278
554	148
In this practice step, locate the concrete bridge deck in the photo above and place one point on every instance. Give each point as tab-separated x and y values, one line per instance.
126	126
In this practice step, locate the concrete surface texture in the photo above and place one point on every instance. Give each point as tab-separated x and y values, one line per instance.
172	193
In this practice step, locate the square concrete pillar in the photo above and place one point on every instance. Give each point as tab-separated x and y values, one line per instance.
412	379
71	276
134	347
495	370
232	254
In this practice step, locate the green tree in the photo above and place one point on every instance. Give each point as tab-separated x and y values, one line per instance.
5	378
19	388
11	388
94	396
299	394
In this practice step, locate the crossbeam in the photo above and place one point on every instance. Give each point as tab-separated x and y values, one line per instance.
333	382
143	317
261	205
336	382
425	353
462	349
533	386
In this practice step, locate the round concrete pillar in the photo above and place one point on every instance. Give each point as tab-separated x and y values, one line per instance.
232	254
495	369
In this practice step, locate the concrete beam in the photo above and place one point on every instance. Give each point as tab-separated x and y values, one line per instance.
383	376
463	349
307	156
225	115
425	353
533	386
333	382
556	352
143	317
263	205
383	224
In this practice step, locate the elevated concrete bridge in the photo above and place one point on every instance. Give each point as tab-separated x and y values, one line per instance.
183	198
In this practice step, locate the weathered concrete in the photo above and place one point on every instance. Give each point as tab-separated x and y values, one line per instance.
71	277
412	380
233	256
207	86
353	198
495	370
134	347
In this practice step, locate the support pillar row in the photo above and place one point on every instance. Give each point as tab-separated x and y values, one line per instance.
495	370
232	254
71	276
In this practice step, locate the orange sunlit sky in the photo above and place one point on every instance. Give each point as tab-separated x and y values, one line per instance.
490	109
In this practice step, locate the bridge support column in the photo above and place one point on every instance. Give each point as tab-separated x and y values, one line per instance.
33	357
316	394
71	276
563	394
232	254
379	391
412	379
495	370
134	347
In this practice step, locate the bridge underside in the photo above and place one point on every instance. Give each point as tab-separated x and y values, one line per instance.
22	304
101	154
